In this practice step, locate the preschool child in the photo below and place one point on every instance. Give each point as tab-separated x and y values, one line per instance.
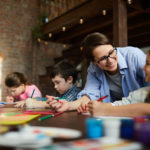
64	76
19	89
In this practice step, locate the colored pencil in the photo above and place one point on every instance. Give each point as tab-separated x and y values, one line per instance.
32	93
101	98
57	114
50	116
43	118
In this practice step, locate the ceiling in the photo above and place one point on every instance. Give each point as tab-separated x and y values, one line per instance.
138	13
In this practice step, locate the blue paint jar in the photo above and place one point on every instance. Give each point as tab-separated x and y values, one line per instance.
127	128
93	128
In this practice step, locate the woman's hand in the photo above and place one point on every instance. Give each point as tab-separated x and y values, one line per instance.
20	104
83	104
9	99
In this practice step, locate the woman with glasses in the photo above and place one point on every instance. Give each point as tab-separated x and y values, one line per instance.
113	73
139	99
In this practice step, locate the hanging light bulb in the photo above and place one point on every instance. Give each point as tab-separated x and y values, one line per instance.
63	28
81	48
129	2
50	35
81	21
64	45
39	40
104	12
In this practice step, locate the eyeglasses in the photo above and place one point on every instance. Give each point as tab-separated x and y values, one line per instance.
112	54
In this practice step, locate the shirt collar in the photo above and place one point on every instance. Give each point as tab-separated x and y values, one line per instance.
121	61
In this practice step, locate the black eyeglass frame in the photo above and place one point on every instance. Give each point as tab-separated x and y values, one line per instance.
106	57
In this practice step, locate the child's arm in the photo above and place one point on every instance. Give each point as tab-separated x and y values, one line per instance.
64	105
106	109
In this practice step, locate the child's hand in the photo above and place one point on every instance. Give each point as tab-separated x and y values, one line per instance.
9	99
59	105
20	104
98	108
83	106
49	99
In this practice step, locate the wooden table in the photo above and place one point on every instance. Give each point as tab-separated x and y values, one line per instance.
66	120
71	120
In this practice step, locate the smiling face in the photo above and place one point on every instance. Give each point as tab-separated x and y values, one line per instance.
146	68
61	85
101	59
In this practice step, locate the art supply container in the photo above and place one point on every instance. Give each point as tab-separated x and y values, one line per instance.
111	128
93	128
138	121
127	128
144	133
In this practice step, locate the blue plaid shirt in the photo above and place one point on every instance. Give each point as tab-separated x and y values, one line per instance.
71	94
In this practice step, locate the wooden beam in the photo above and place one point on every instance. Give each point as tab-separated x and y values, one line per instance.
72	17
90	26
119	23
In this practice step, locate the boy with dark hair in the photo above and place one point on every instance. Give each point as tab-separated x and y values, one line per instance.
64	76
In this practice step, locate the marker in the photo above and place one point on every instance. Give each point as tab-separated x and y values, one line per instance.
101	98
7	103
50	116
41	98
32	93
60	98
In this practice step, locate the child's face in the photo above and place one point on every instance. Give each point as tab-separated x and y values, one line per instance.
61	85
146	68
16	91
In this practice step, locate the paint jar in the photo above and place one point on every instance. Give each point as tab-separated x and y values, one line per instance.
111	128
93	128
138	121
144	133
127	128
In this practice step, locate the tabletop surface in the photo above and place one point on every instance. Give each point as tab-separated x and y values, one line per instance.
71	120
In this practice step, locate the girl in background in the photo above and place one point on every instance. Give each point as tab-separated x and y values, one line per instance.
19	89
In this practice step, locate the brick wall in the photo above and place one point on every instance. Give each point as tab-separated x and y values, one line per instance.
17	17
20	52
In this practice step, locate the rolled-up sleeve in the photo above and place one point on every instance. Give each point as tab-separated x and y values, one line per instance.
92	87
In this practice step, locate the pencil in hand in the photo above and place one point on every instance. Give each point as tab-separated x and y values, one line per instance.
32	93
101	98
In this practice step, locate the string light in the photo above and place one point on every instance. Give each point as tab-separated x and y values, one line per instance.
81	48
39	40
81	21
63	28
50	35
129	2
104	12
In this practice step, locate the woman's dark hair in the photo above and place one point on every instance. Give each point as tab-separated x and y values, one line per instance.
65	69
15	79
91	41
